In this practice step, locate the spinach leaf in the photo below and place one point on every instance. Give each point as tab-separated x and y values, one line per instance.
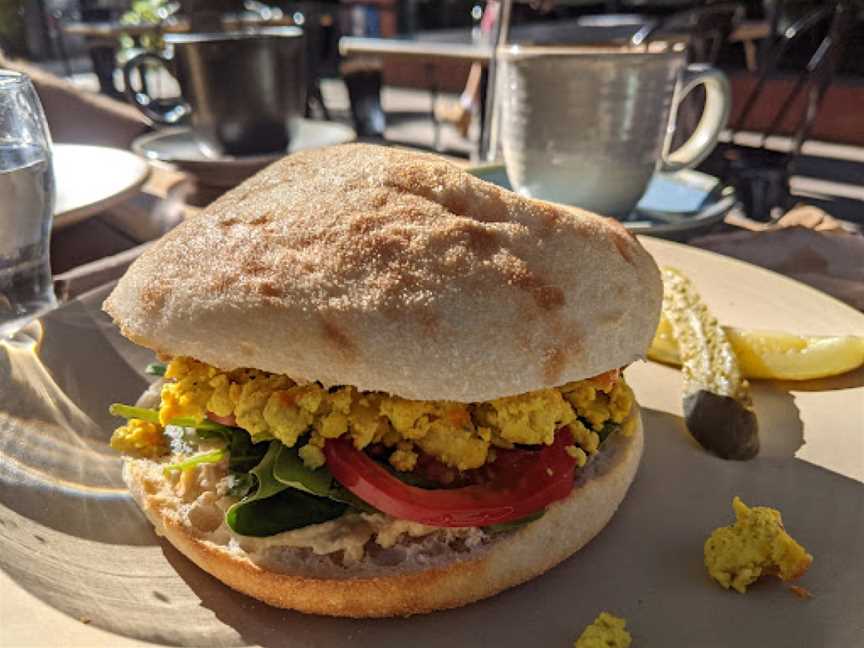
286	510
267	485
207	457
290	470
155	369
244	454
152	415
240	484
515	524
274	507
608	428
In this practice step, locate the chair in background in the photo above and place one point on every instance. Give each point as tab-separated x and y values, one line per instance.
102	51
707	28
309	16
761	176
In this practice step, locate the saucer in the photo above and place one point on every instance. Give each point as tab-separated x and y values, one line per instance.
179	147
80	193
675	206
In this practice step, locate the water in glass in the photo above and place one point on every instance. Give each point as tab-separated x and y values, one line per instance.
26	204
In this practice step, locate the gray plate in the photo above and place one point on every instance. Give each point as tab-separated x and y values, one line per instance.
675	206
178	146
74	547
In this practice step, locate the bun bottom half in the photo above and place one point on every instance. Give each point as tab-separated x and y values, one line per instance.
456	578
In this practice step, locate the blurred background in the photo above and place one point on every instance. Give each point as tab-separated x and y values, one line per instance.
87	41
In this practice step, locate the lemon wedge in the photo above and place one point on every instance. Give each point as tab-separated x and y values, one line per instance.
774	354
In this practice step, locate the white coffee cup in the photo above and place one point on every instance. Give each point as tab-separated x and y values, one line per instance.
589	126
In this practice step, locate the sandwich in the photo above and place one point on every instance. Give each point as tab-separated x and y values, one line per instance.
388	387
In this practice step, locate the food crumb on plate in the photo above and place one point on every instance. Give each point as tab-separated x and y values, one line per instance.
801	592
755	545
607	631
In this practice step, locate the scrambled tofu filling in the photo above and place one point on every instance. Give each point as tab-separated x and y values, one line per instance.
607	631
140	438
459	435
756	544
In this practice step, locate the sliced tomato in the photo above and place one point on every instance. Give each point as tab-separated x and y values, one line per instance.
526	482
227	421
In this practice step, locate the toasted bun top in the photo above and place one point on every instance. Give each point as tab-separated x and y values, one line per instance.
393	271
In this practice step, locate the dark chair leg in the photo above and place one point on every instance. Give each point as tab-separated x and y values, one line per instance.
313	93
103	58
60	40
432	77
761	181
364	94
484	90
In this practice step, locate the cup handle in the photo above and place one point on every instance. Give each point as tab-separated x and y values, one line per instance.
162	111
718	101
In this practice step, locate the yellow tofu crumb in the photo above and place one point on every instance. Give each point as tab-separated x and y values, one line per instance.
755	545
621	400
585	438
607	631
628	427
529	418
460	447
312	456
578	454
140	439
404	458
459	435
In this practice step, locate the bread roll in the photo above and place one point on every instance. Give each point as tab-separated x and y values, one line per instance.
393	271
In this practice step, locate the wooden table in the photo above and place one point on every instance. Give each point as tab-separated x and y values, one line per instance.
428	49
455	46
114	29
105	36
747	33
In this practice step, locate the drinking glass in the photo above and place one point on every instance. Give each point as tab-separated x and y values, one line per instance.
26	204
